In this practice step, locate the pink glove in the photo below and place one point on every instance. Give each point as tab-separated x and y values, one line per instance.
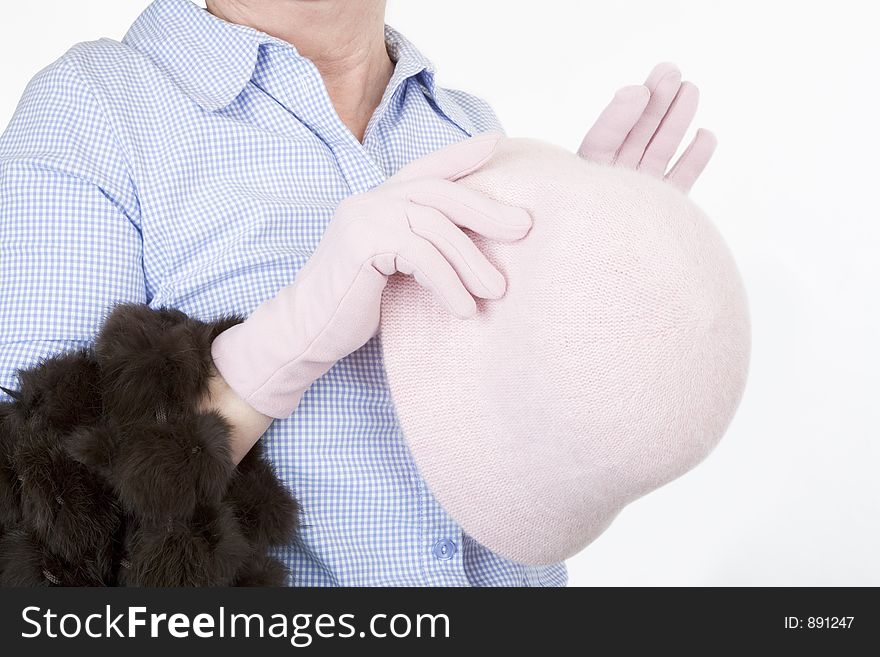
643	126
408	224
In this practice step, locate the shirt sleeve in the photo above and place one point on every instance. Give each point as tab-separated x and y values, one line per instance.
70	238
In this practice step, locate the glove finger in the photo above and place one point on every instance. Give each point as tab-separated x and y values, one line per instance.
479	276
602	142
421	259
692	162
471	209
671	131
658	73
454	161
633	148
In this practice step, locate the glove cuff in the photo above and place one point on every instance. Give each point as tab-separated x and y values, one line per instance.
262	361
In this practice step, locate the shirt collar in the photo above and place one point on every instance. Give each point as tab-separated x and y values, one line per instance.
212	60
409	61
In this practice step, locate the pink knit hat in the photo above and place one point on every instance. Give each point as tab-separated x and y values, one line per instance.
613	364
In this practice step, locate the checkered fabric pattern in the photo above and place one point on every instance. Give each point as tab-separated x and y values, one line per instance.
195	165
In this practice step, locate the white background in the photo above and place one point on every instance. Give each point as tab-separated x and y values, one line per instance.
791	496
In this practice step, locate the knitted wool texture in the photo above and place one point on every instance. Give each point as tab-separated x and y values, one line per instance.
613	364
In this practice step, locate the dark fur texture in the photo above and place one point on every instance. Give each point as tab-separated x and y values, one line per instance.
61	391
263	505
10	505
206	549
154	360
25	561
165	469
109	475
69	509
96	446
261	571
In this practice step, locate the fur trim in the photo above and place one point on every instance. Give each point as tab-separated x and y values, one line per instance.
165	469
263	504
10	511
25	561
62	391
96	446
261	571
69	509
110	475
205	550
154	361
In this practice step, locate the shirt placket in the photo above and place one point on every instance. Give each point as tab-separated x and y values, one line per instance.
295	83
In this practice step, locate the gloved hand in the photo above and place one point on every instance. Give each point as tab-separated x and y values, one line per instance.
408	224
643	125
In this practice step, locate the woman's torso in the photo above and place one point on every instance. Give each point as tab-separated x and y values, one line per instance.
239	160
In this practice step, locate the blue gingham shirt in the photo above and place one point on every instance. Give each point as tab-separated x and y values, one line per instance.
195	165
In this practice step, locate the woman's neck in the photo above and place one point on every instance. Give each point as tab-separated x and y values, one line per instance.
345	40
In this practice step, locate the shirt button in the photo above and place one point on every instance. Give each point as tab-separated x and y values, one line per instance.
444	548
